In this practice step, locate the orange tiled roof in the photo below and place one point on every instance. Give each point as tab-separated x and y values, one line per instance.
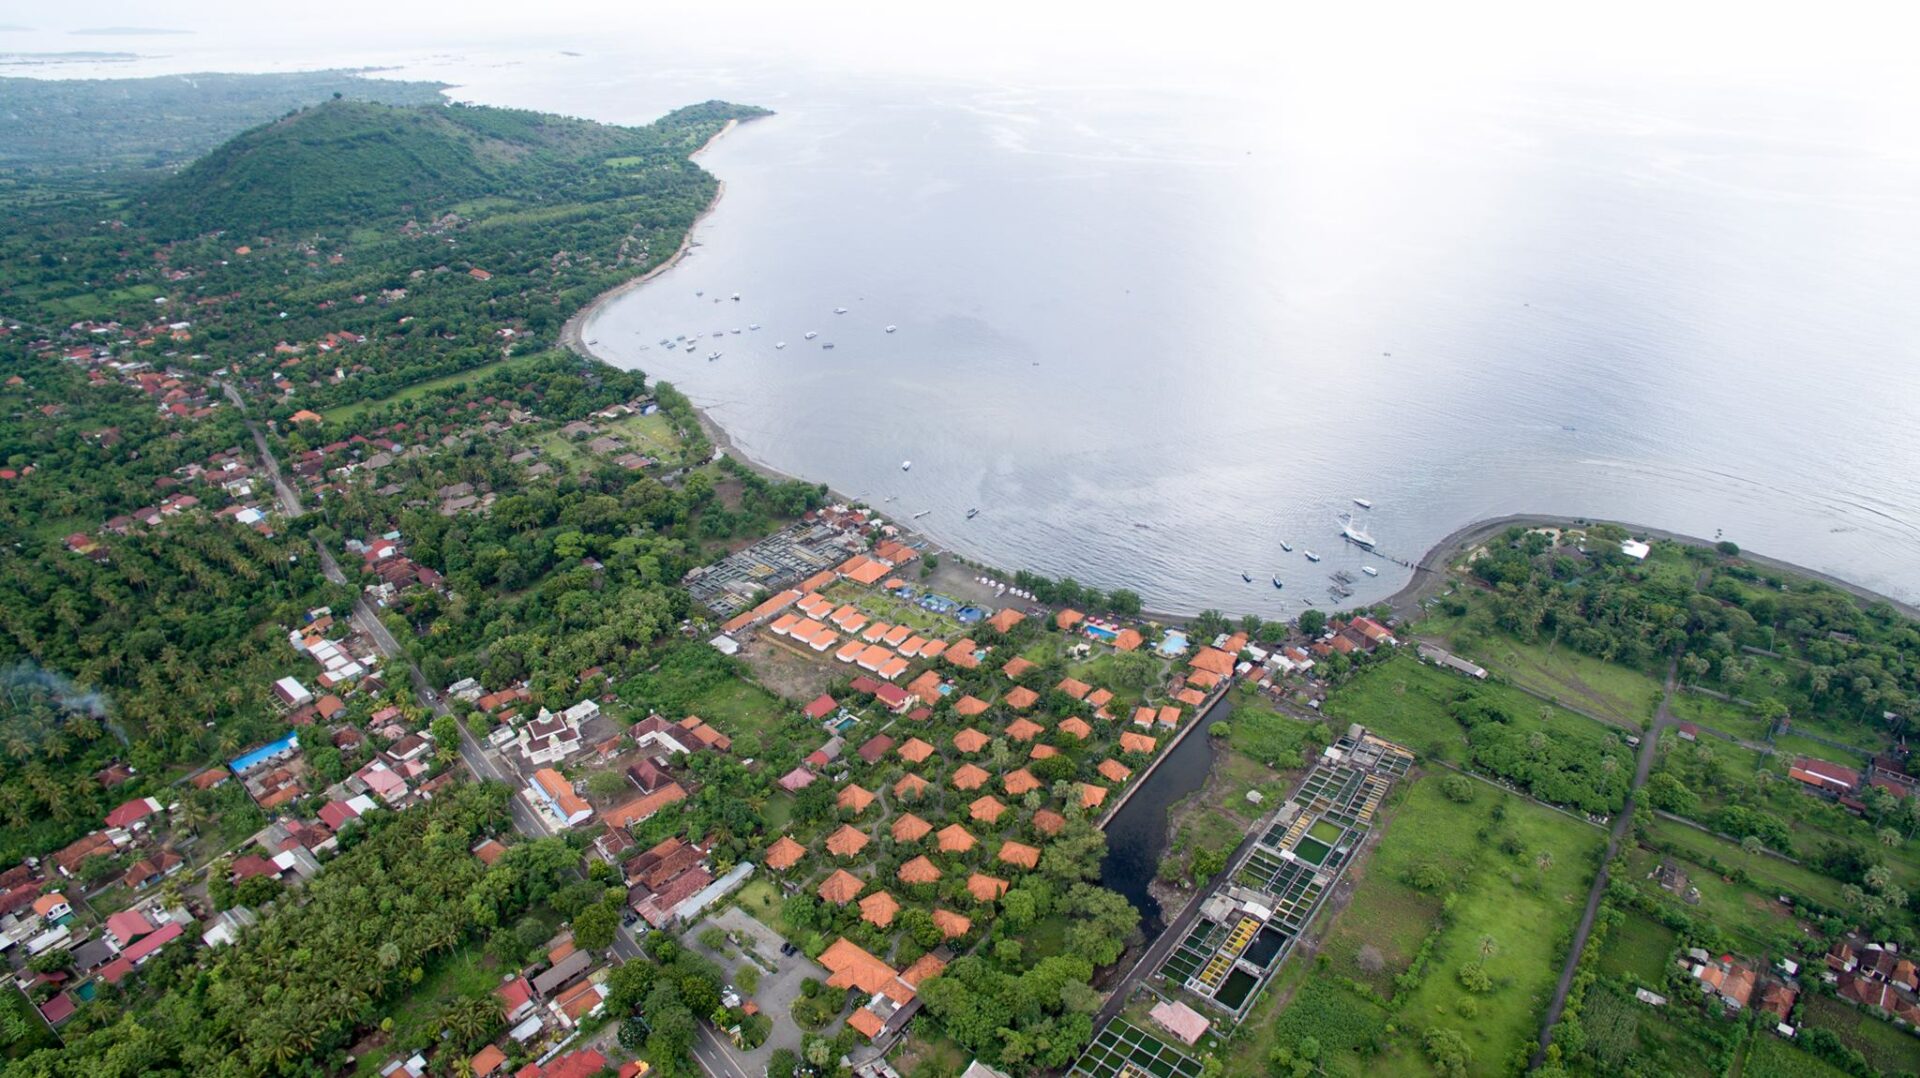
1191	697
926	686
956	839
910	787
987	809
1022	698
1169	716
849	651
932	649
1049	822
1213	661
1203	679
926	966
784	854
915	751
1024	729
841	887
1143	716
1099	698
1114	771
853	967
847	841
919	870
1092	796
1017	667
855	797
969	777
951	924
1132	742
870	573
1005	619
1019	782
1074	687
865	1022
878	908
892	668
875	631
970	740
897	635
961	654
1043	751
968	706
1128	640
985	888
1076	726
1067	619
910	828
1019	853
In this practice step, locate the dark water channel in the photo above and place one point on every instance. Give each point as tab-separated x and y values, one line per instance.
1138	835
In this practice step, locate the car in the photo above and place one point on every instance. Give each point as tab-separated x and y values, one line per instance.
789	950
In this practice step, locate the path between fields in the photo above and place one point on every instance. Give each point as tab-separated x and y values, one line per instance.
1662	718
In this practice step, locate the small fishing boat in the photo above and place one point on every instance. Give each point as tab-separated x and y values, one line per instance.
906	465
593	342
779	344
736	330
921	513
665	342
1143	527
699	292
736	297
1311	556
1363	503
753	325
1286	546
711	356
1276	582
1246	576
828	344
691	347
1369	570
971	513
890	329
811	334
839	310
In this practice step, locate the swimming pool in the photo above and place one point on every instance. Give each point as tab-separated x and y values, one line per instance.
1174	643
1102	633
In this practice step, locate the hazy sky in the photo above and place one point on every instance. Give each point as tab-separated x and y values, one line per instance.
1837	43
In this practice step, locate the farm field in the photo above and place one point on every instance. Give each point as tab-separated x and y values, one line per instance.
1771	1057
1728	718
346	413
1764	869
1751	917
1618	693
1638	948
1888	1047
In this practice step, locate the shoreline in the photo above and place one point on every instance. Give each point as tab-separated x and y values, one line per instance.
1429	572
572	332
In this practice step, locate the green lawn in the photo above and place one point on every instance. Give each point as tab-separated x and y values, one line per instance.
1751	916
759	898
1525	910
652	435
1728	718
347	412
1639	948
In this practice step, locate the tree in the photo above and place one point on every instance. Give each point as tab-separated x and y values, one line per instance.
1457	788
783	1063
594	927
1312	622
1474	979
1450	1052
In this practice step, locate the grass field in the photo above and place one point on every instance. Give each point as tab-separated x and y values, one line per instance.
1611	691
421	388
1524	904
740	707
1753	917
1406	701
1728	718
1769	872
925	1053
1770	1057
759	899
465	972
1638	948
1889	1048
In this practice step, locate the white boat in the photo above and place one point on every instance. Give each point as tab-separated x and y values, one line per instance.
921	513
1354	533
753	325
711	356
779	344
906	465
736	329
736	297
971	513
1363	503
890	329
1286	546
839	310
811	334
1276	581
1311	556
1369	570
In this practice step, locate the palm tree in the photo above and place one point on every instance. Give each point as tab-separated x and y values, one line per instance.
1544	860
1488	945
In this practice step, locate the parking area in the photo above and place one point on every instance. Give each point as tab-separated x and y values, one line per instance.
780	977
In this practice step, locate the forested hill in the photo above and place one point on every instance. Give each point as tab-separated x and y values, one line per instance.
62	135
368	164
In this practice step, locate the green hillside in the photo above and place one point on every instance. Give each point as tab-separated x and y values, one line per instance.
367	164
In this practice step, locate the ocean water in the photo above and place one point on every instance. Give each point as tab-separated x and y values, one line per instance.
1153	331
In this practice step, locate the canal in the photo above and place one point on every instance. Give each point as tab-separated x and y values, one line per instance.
1137	835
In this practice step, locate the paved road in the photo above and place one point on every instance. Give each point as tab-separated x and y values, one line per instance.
1649	748
776	992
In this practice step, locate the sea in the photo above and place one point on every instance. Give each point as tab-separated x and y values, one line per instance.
1157	322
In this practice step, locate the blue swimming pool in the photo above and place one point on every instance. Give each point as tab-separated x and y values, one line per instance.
969	614
241	764
1174	643
1102	633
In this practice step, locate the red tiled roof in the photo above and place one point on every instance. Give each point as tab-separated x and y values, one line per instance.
987	809
910	828
784	854
1092	796
969	777
1021	698
951	924
919	870
841	887
1019	782
847	841
985	888
970	740
1019	853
